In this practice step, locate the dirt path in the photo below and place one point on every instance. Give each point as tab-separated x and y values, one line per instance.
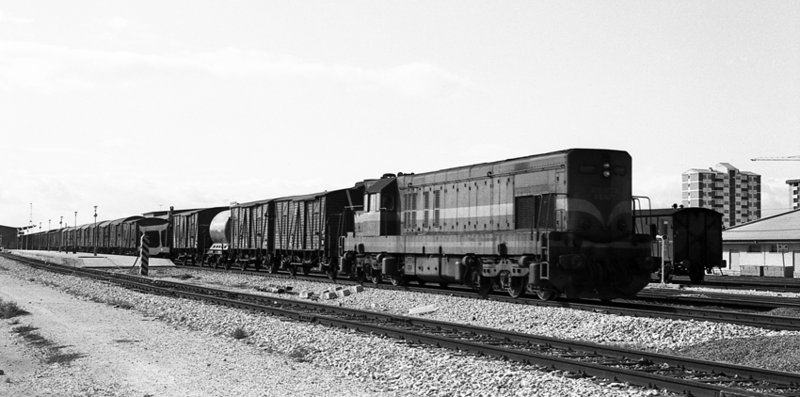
117	352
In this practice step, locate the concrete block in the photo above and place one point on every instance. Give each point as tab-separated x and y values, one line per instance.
357	288
328	295
423	309
343	292
306	295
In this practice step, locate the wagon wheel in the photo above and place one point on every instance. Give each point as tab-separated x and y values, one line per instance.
485	286
332	272
227	265
397	281
546	295
696	272
306	270
273	267
293	270
516	287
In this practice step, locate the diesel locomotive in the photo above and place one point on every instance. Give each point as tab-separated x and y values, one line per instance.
549	224
553	224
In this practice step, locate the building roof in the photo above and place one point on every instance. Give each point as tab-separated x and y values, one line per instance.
781	227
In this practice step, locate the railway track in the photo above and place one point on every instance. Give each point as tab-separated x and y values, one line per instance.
648	304
680	375
775	284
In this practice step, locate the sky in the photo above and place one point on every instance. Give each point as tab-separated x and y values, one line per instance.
136	106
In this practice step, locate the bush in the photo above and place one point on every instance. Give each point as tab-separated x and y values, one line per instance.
239	333
10	309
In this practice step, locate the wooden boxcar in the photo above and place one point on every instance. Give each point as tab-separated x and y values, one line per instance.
692	239
308	229
251	234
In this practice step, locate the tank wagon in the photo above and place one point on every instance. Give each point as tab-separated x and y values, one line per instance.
190	234
219	230
691	243
550	224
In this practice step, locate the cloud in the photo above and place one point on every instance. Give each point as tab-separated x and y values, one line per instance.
50	68
14	20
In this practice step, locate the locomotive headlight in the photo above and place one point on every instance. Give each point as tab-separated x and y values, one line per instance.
606	170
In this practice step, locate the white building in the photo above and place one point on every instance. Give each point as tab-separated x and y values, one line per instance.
766	247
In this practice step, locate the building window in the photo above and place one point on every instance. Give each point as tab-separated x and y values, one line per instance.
425	208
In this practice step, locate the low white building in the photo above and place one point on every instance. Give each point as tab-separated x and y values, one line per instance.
765	247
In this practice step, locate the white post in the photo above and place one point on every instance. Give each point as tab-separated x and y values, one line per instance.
660	239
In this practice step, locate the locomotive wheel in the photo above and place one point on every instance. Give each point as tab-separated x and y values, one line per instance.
293	271
361	276
443	285
306	270
375	277
397	281
485	286
517	287
474	278
546	295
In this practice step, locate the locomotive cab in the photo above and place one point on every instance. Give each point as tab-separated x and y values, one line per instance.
380	213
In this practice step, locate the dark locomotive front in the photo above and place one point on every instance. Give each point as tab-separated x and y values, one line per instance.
598	252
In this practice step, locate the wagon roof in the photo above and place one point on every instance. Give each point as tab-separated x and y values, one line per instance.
122	220
193	212
305	197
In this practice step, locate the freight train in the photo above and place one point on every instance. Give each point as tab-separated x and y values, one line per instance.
690	240
553	224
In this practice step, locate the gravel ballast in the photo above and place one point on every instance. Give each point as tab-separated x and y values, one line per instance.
743	343
387	367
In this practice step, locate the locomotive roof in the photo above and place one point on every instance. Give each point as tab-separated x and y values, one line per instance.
492	164
375	186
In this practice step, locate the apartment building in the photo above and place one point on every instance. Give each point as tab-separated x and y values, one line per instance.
733	193
794	193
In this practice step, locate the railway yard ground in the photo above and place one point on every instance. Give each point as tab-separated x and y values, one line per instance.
82	337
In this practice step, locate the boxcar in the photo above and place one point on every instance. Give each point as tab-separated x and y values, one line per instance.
307	229
251	237
692	239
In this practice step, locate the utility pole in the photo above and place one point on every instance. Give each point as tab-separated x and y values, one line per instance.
95	231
